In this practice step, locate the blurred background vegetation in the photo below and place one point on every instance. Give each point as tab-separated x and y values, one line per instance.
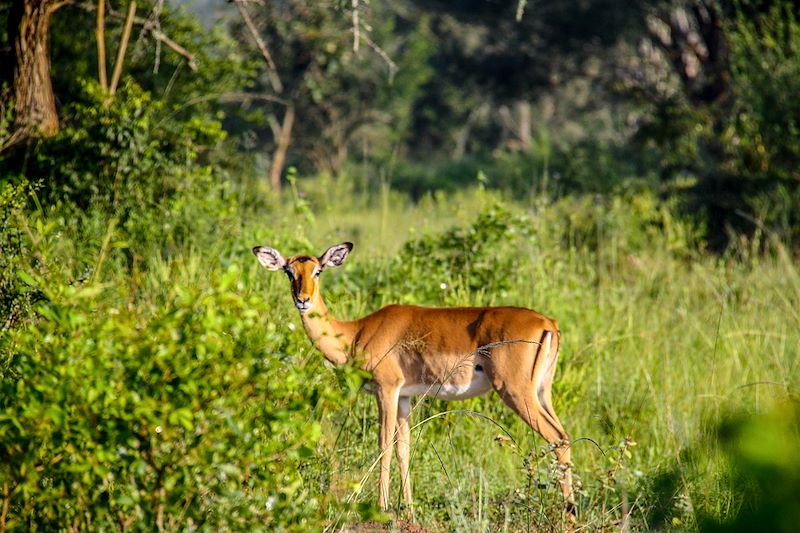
630	168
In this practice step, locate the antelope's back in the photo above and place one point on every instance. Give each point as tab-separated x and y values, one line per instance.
449	330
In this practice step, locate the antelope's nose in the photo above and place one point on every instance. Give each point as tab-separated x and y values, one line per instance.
303	302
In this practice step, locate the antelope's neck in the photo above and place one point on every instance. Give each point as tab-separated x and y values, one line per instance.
332	337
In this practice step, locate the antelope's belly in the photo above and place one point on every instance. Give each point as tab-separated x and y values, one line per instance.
462	390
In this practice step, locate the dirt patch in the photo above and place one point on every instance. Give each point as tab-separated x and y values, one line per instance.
401	526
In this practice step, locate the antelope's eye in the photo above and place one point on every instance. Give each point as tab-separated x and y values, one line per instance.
290	274
317	273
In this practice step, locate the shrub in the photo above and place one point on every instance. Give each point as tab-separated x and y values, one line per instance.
15	297
474	259
764	135
117	157
186	414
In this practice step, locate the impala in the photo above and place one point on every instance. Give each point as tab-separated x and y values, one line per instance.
449	353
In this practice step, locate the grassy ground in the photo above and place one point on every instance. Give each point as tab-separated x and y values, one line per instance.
659	346
662	345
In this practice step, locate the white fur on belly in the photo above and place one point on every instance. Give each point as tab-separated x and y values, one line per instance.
478	386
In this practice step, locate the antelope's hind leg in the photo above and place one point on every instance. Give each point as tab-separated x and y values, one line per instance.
531	411
529	397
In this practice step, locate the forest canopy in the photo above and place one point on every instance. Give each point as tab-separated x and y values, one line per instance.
691	98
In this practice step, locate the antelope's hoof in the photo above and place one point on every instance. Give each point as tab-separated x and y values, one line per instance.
572	512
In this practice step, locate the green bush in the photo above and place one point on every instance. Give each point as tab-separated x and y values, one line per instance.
118	156
188	414
754	463
764	136
739	153
472	260
15	297
132	165
763	470
631	221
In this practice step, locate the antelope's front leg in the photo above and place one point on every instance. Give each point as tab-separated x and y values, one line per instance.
404	448
387	413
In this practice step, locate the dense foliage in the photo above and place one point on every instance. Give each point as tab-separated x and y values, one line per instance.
694	99
178	392
154	377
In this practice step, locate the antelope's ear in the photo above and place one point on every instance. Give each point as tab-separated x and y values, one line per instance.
270	258
335	255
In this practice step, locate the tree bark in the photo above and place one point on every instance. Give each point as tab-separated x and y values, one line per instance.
123	47
100	37
696	46
279	158
34	102
524	124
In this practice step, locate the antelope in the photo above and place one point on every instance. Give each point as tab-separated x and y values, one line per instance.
449	353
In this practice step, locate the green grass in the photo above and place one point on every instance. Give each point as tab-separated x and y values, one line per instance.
662	342
656	349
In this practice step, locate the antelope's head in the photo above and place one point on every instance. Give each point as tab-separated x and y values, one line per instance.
303	270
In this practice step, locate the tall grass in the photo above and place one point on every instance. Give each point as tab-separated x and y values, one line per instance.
661	341
657	347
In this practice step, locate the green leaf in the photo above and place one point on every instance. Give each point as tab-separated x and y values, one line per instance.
183	417
27	278
55	413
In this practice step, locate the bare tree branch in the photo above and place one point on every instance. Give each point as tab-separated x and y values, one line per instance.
356	24
100	37
274	79
59	5
153	23
520	9
157	34
236	97
228	98
175	47
388	60
123	48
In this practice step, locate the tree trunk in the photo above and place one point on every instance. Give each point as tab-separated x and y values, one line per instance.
34	101
692	38
279	158
524	124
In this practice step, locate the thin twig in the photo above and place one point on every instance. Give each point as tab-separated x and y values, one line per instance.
227	98
157	34
441	463
4	513
486	349
274	79
757	383
246	97
356	24
388	60
153	23
588	439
